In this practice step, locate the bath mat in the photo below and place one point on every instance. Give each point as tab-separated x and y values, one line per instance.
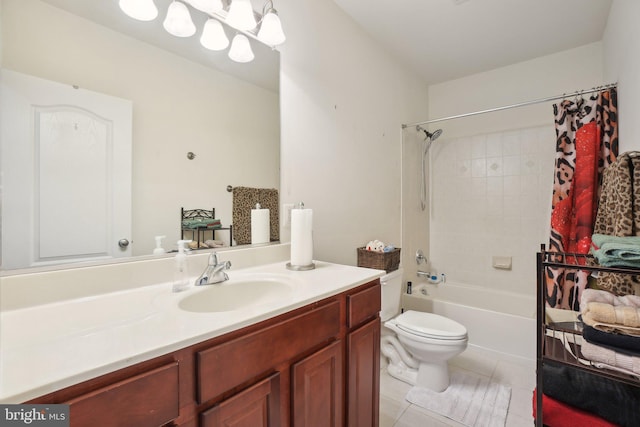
470	400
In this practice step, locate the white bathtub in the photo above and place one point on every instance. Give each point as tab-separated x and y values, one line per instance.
496	321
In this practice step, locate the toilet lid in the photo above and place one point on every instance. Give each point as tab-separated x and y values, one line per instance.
431	325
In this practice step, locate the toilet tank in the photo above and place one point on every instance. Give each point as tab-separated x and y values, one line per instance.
391	291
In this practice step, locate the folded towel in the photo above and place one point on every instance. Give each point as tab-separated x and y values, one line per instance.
596	295
612	251
609	399
556	413
615	360
619	342
194	223
601	239
610	327
607	313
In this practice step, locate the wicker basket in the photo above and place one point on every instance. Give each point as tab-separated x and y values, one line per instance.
387	261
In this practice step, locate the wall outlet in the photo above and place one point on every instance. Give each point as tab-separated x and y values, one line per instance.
286	215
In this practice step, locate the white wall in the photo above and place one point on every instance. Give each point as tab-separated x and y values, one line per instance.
492	173
178	106
622	64
343	100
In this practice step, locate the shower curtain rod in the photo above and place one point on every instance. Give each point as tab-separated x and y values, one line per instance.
521	104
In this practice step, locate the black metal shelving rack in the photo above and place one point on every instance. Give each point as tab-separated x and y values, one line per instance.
560	342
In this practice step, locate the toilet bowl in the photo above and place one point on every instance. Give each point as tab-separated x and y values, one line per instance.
418	345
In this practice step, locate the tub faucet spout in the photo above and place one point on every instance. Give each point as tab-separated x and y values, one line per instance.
214	273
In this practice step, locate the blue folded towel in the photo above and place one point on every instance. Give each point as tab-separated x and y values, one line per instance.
617	251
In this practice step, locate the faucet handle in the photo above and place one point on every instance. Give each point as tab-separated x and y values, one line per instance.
213	258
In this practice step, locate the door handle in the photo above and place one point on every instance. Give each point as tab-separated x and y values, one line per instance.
123	243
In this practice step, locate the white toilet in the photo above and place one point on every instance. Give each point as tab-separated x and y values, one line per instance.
418	345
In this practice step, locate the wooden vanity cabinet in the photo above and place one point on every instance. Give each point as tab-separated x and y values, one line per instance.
258	406
314	366
363	357
317	388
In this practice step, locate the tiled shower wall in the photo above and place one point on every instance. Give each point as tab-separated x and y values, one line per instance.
491	196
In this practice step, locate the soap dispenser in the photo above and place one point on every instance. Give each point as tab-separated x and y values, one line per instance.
159	250
181	278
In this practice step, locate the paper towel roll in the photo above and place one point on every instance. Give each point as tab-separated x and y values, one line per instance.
301	237
260	231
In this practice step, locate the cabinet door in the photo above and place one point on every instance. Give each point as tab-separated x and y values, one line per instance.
257	406
317	388
363	379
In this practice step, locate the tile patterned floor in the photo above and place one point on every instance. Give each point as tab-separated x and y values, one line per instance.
395	411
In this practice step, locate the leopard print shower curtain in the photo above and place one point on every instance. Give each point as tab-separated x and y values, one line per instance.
586	143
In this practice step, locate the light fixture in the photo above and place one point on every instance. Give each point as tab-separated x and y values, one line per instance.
178	21
270	28
241	15
207	6
142	10
238	14
240	50
213	36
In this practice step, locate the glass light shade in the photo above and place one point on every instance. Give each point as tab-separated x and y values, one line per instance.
142	10
241	16
241	49
213	36
178	21
207	6
271	29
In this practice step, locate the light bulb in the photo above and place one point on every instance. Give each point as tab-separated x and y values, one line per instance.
178	21
207	6
271	29
142	10
213	36
241	49
241	15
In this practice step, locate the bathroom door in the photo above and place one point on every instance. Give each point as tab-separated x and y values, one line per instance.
66	172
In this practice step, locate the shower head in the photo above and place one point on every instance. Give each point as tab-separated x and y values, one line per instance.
428	135
436	133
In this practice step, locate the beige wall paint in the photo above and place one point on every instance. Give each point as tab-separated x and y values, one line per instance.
221	117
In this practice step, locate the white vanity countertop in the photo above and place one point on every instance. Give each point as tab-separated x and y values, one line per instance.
51	346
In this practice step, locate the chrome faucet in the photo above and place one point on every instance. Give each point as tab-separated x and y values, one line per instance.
214	273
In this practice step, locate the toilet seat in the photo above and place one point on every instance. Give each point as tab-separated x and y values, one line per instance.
429	325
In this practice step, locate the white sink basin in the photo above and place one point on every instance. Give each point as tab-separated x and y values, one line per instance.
235	295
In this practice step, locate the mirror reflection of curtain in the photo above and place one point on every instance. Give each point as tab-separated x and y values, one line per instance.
586	143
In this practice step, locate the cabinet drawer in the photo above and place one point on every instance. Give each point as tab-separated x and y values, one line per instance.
148	399
233	363
363	305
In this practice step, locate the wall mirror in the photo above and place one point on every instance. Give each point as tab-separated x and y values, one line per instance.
199	122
